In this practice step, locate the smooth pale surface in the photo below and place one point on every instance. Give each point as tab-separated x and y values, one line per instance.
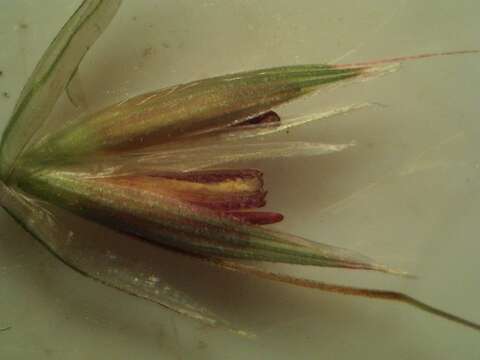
408	194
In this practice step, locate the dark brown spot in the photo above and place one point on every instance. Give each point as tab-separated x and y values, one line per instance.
147	52
270	117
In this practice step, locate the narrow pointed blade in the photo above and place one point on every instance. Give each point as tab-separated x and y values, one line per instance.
51	76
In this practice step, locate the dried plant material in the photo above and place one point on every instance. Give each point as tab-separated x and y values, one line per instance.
146	168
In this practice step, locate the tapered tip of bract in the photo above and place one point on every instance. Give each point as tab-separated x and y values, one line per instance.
392	271
388	65
361	262
368	71
402	59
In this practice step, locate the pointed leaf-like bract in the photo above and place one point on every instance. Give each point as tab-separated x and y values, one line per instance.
50	78
164	115
161	217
